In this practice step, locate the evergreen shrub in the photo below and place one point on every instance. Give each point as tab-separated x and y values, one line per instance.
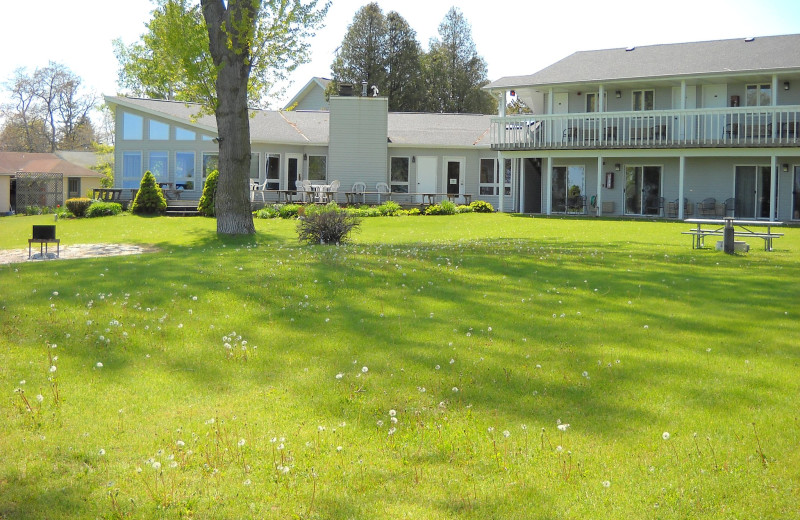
103	209
206	205
78	206
149	199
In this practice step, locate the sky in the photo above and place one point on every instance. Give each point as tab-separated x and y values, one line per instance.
515	38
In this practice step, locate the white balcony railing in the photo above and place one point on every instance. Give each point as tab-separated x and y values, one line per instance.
724	127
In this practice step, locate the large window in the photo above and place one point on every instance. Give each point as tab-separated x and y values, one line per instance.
210	163
132	127
182	134
273	173
159	166
159	131
131	169
568	189
317	167
644	99
398	174
254	168
184	170
73	187
507	187
487	182
758	95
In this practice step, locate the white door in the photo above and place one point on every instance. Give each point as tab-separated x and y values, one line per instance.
714	96
426	175
560	106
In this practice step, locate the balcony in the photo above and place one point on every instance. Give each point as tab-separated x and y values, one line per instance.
710	128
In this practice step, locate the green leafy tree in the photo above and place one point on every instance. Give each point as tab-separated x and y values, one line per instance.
454	73
105	163
206	205
244	49
384	52
149	199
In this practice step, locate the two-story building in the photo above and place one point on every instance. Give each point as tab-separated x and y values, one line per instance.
707	128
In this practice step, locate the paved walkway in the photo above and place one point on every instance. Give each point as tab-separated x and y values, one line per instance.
13	256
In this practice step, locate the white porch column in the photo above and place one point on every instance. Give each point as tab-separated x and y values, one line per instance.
773	188
600	176
682	106
521	190
501	167
549	186
681	172
601	105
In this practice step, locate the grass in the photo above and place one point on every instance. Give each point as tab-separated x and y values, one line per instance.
258	378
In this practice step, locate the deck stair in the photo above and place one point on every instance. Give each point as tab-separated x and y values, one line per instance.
182	208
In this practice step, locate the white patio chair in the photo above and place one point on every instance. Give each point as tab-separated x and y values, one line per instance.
301	189
358	190
383	189
330	193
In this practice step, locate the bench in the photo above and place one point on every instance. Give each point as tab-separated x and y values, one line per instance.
44	235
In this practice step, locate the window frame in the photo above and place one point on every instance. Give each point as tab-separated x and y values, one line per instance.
155	122
314	158
488	188
643	93
130	180
274	182
182	178
760	89
399	186
182	134
132	127
204	164
163	155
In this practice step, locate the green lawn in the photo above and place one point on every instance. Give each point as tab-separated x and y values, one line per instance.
420	372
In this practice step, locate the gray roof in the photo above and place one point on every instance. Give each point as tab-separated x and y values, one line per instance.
312	127
766	54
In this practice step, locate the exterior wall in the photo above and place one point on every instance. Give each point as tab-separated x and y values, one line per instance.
87	185
314	100
5	194
358	148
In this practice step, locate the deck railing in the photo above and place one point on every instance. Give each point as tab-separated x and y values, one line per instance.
723	127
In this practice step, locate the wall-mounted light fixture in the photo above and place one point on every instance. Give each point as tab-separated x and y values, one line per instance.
413	158
785	168
785	85
305	157
618	93
617	166
217	140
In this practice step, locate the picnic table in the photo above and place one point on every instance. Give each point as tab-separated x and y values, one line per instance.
741	229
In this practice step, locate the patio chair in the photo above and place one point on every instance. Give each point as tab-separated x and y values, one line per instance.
654	206
730	207
357	190
708	206
383	189
258	189
330	193
304	189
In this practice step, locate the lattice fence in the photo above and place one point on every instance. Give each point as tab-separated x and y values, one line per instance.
39	189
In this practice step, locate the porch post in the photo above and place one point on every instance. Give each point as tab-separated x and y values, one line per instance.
599	200
521	189
502	172
549	184
681	172
773	188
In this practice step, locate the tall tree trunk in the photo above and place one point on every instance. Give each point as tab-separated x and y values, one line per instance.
231	56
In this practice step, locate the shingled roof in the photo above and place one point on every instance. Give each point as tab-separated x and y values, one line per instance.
14	162
312	127
767	54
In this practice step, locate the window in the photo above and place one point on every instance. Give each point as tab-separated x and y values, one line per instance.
507	187
273	174
73	187
210	163
591	102
317	167
132	127
182	134
131	169
159	166
487	183
758	95
158	131
184	170
644	99
568	189
398	174
254	169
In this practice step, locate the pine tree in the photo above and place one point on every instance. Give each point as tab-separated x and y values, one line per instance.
149	199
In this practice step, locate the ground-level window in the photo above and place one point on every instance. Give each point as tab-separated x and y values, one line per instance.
317	167
398	174
255	170
131	169
159	166
567	191
643	190
210	163
487	181
184	170
273	173
73	187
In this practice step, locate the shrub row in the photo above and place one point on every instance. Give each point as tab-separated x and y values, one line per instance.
387	209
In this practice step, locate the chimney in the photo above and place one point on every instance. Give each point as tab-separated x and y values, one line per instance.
346	89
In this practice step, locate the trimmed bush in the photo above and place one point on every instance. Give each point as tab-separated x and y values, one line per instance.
206	205
149	199
389	208
443	208
464	209
288	210
103	209
326	225
481	206
78	206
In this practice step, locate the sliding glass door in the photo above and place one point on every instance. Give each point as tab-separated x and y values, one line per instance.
568	189
752	191
642	190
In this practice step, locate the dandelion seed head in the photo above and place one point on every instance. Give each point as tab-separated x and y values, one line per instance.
665	436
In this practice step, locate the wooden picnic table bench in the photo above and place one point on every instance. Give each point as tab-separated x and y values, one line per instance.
717	227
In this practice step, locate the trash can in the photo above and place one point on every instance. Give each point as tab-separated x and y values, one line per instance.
728	237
